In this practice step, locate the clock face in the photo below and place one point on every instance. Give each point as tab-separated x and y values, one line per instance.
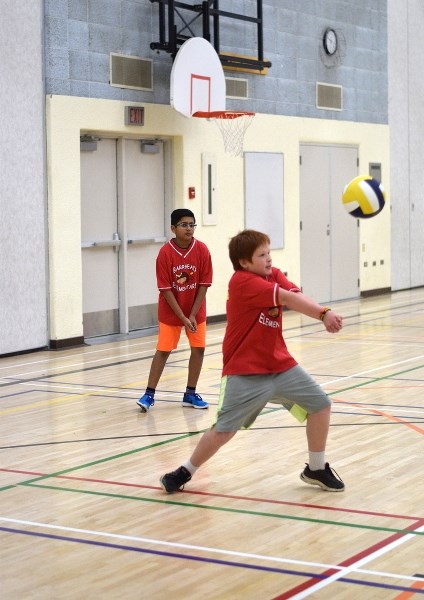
330	41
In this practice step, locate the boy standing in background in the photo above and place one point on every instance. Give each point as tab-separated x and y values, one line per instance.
184	273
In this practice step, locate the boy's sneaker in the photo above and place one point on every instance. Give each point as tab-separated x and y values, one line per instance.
326	478
171	482
145	402
194	400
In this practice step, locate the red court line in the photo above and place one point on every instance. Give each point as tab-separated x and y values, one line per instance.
346	563
386	415
419	522
397	420
216	495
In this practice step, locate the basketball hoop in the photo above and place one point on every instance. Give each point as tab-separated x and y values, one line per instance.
232	125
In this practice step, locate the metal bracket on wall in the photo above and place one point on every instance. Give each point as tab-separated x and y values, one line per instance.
171	38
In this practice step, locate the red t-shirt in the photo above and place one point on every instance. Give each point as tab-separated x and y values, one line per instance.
182	270
253	341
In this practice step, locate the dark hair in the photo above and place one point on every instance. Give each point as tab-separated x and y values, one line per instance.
179	213
244	244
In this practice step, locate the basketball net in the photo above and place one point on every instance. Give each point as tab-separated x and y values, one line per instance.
232	125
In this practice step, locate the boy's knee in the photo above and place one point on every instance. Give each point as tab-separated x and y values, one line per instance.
198	351
222	436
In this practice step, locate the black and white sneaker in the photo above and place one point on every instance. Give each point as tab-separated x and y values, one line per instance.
326	478
171	482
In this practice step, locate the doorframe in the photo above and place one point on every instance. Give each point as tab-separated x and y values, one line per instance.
330	146
168	188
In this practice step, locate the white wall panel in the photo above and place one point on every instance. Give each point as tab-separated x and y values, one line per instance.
406	92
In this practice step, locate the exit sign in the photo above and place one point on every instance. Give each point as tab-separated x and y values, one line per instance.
134	115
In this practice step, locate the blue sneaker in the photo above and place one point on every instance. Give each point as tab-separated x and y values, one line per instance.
194	400
145	402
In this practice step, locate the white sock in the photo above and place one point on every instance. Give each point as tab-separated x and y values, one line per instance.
316	460
190	467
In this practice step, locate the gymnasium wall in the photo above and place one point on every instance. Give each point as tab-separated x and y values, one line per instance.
406	67
67	116
380	44
81	35
23	233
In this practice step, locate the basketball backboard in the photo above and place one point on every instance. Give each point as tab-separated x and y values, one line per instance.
197	79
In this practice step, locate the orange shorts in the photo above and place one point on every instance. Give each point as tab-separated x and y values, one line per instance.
169	336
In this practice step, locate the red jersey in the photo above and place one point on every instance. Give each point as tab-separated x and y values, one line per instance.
182	270
253	341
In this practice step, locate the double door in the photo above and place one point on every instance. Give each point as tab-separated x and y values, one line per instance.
329	236
124	214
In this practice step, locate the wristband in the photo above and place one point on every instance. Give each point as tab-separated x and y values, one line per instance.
324	311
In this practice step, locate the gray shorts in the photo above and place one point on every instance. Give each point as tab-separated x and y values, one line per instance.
243	397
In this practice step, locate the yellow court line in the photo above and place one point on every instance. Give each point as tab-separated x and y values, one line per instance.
141	384
41	403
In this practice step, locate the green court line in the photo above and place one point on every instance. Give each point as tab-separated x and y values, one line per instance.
190	434
228	510
374	379
108	458
115	456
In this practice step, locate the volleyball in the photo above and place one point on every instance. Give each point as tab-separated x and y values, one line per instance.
363	197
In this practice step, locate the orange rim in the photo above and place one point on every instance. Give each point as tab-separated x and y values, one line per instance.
223	114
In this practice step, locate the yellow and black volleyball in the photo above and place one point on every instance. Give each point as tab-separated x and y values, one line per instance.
363	197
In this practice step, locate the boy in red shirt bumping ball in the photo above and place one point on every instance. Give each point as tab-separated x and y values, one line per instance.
257	366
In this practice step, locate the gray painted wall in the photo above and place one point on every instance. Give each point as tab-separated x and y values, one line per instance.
23	281
80	36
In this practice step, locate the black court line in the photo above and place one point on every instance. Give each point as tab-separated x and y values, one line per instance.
189	432
179	351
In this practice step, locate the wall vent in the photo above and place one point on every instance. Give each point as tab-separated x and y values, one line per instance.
131	72
236	88
329	97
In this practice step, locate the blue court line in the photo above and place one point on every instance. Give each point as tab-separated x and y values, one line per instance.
215	561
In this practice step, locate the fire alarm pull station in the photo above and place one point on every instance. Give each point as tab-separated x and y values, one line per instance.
191	193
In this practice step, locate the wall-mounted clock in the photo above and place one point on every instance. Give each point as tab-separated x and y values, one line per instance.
330	41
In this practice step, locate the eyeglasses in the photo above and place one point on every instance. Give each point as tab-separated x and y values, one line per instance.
186	225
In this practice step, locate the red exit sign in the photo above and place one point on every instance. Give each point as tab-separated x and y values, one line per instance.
134	115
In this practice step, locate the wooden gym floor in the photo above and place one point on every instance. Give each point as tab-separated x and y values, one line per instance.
82	514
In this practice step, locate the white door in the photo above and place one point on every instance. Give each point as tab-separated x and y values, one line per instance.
100	239
146	228
123	193
329	236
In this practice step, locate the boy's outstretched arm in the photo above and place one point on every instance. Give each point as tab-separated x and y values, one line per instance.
297	301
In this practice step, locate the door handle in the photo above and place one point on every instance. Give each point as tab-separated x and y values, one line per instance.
115	242
154	240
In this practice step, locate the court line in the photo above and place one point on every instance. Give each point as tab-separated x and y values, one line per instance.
207	549
406	595
200	559
389	308
225	496
380	550
140	436
324	384
362	384
389	366
344	379
222	509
